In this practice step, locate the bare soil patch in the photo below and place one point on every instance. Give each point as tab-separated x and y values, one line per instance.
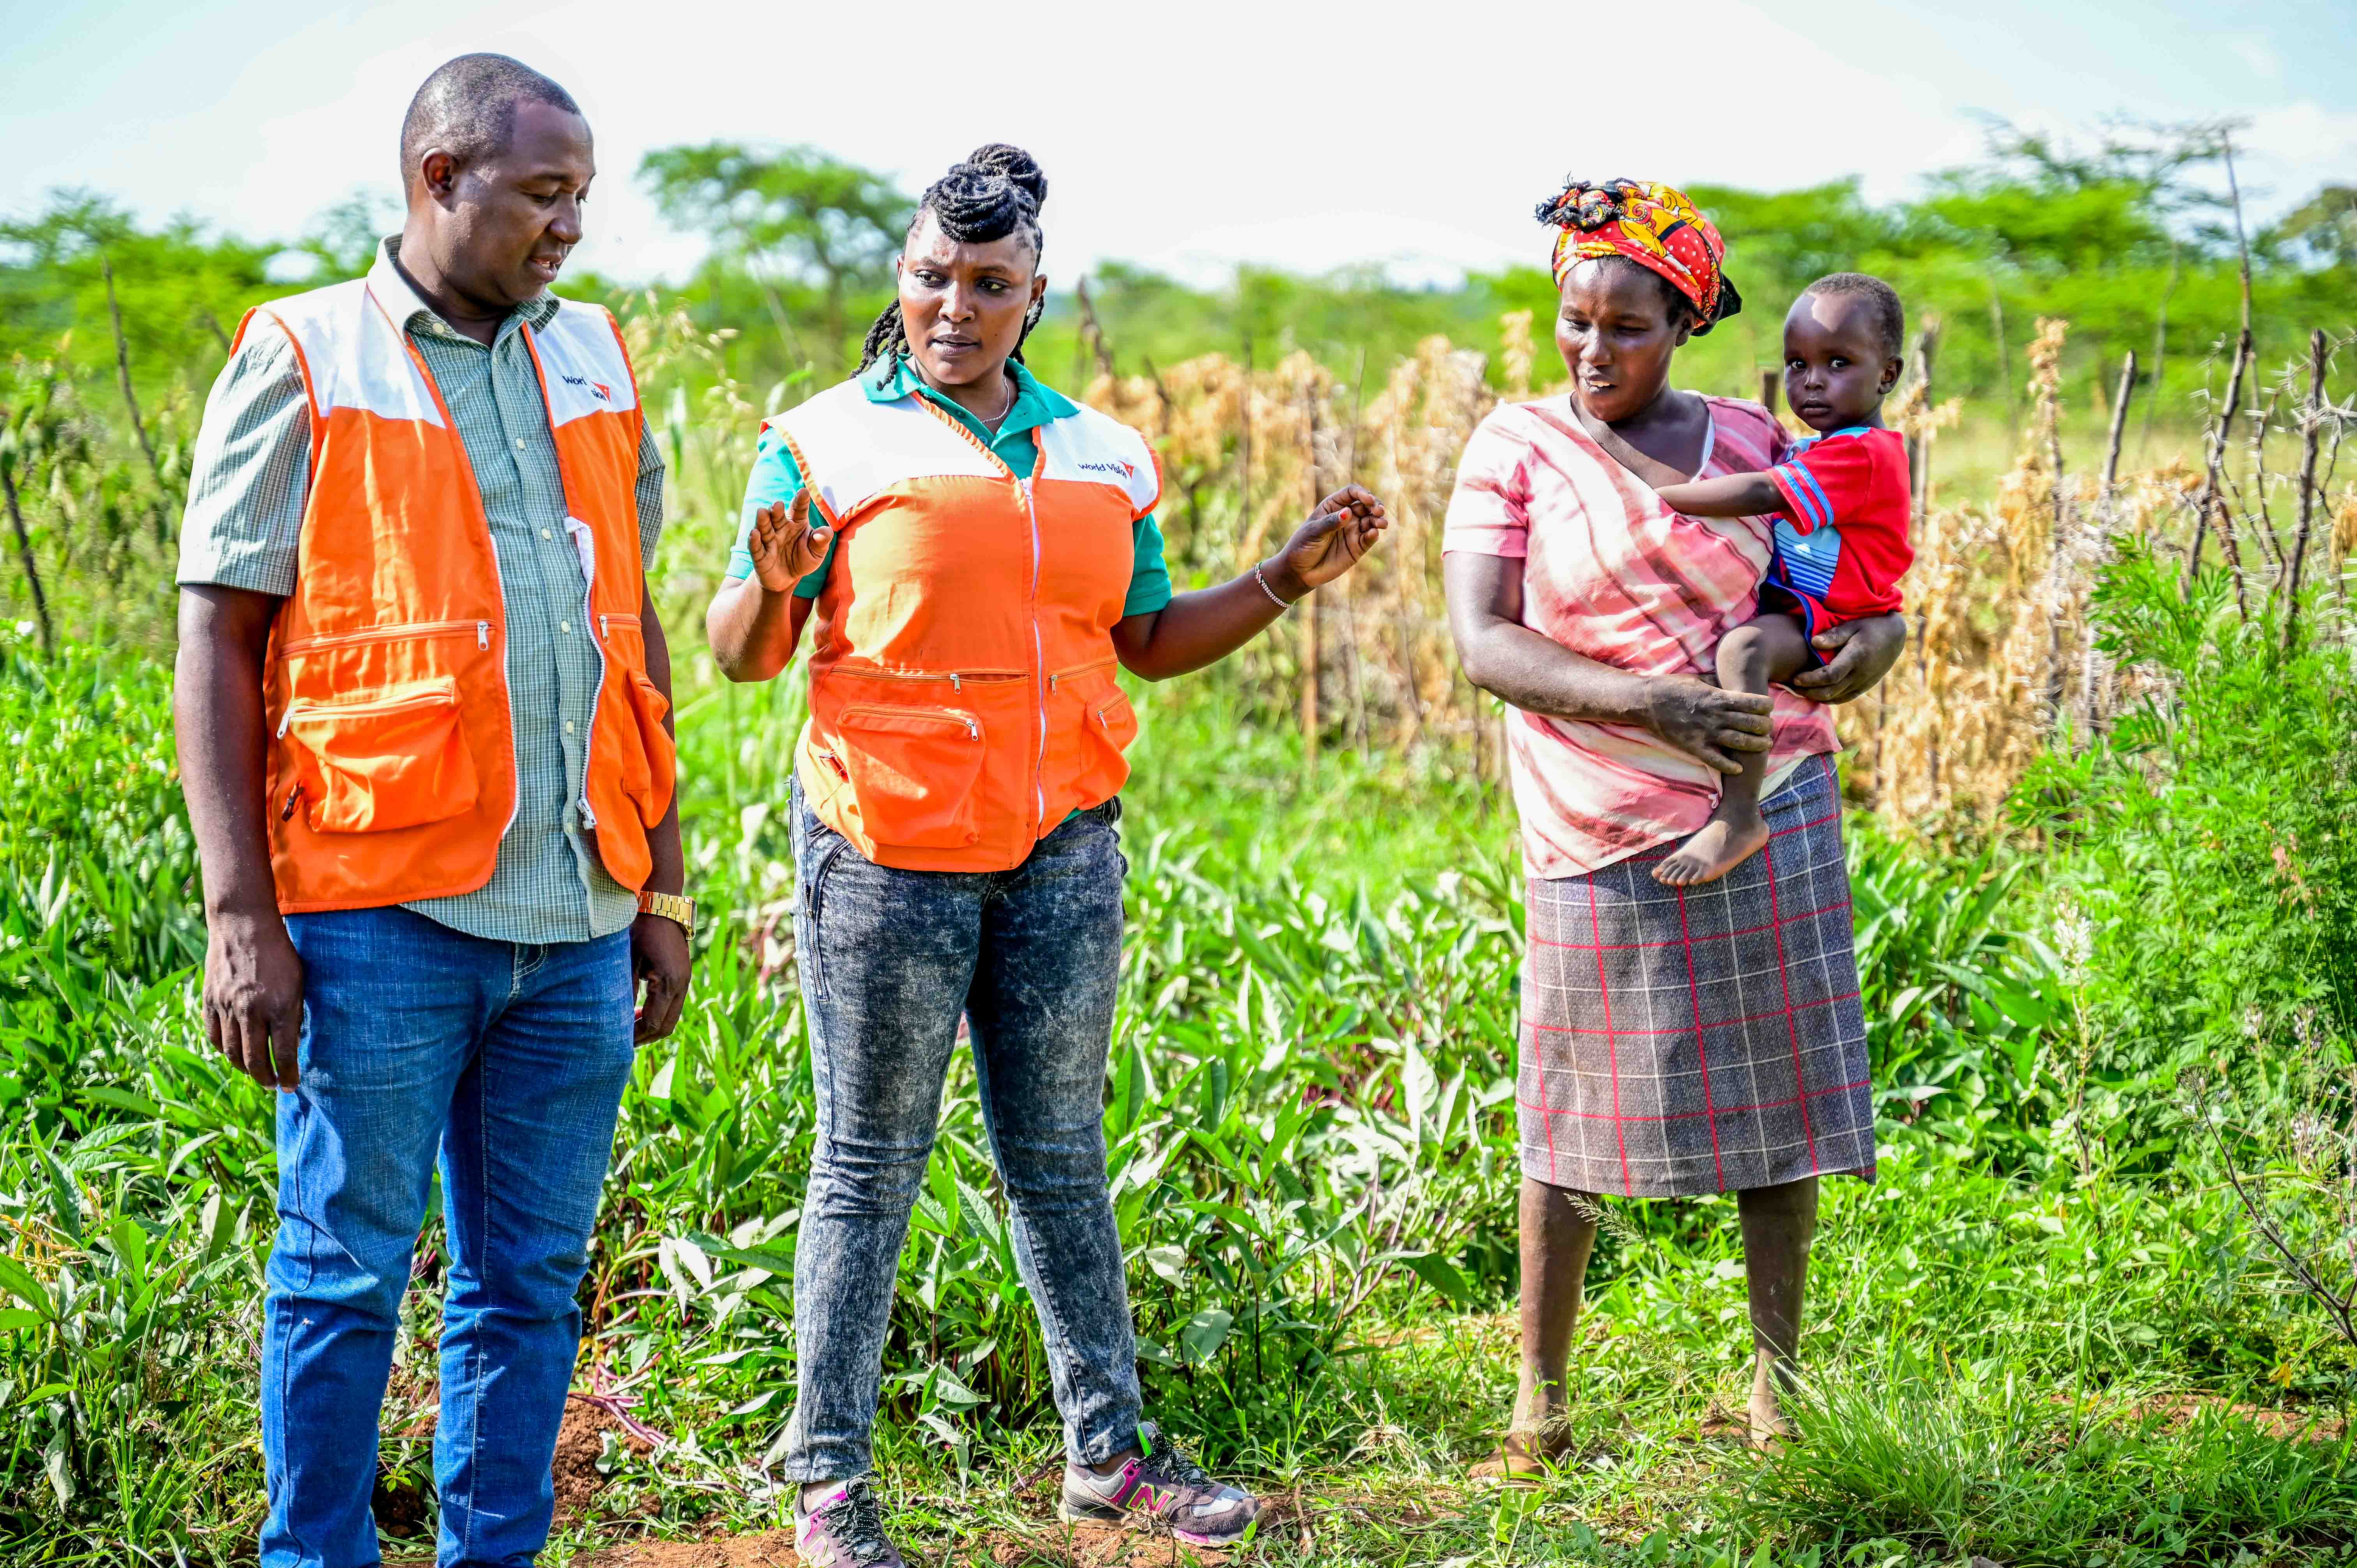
769	1549
579	1442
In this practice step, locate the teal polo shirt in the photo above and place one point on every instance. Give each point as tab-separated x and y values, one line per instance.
775	477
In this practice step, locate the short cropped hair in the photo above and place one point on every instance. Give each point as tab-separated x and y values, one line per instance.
1889	316
468	108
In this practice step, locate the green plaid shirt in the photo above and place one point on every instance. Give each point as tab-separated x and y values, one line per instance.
249	484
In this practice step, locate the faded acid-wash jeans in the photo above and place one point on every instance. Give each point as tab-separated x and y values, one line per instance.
508	1060
889	959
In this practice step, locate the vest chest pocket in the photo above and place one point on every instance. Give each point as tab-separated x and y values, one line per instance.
913	772
394	759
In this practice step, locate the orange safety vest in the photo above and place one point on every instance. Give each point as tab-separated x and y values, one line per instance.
963	699
392	772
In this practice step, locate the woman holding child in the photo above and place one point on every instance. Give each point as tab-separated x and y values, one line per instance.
1691	1020
975	555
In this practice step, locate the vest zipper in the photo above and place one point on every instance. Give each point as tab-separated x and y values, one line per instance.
483	632
956	678
1040	674
589	738
424	629
1090	669
948	715
436	698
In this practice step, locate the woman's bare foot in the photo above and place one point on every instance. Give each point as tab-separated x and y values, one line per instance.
1721	844
1770	1374
1769	1429
1525	1457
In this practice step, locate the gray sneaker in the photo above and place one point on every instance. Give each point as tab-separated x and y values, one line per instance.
1163	1487
846	1531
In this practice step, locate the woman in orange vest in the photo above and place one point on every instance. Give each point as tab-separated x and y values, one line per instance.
979	553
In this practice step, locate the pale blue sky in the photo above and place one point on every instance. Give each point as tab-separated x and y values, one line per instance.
1184	137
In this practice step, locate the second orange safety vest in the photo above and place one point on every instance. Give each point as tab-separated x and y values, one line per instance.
963	691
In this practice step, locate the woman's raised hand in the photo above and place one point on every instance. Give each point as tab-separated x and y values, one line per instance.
1708	724
784	546
1342	528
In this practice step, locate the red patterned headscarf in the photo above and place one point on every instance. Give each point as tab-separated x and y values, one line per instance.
1655	226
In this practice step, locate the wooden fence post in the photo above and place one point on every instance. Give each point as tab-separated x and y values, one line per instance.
123	373
2119	423
1309	649
2212	502
1919	447
25	556
2318	353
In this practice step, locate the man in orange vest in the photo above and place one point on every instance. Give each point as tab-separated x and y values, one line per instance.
424	733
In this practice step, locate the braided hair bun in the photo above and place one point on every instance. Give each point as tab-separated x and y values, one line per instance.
996	190
1013	165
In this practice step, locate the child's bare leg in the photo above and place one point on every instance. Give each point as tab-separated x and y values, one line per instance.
1763	651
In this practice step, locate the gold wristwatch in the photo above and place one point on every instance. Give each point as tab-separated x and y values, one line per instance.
671	907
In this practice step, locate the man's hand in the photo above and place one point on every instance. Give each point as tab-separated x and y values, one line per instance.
253	979
784	546
660	961
1862	652
254	996
1344	527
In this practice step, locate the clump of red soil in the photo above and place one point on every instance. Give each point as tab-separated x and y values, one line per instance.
579	1442
770	1549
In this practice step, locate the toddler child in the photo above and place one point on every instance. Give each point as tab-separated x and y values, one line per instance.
1841	504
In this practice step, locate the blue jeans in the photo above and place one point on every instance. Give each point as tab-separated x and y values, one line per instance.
510	1060
889	959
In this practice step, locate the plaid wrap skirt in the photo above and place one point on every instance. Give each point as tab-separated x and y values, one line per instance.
1701	1039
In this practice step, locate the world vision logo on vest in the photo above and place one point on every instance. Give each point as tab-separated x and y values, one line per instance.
1126	470
598	390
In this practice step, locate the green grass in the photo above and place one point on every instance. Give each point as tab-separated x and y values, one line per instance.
1311	1116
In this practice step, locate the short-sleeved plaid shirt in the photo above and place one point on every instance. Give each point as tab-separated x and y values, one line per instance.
247	490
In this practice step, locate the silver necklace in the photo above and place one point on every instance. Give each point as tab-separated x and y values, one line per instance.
996	420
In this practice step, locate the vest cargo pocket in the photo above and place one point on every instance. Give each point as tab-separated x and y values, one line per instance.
1111	725
912	770
1094	725
374	764
646	774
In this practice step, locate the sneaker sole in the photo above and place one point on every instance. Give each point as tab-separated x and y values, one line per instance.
1106	1513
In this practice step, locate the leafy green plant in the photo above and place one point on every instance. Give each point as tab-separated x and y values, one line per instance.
2207	853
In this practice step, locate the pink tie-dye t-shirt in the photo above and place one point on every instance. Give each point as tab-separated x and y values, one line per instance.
1610	572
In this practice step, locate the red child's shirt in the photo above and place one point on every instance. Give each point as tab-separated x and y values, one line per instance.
1841	545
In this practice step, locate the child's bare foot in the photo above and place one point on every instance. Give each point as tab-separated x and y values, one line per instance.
1720	846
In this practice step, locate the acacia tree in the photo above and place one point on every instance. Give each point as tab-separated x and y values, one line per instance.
791	211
